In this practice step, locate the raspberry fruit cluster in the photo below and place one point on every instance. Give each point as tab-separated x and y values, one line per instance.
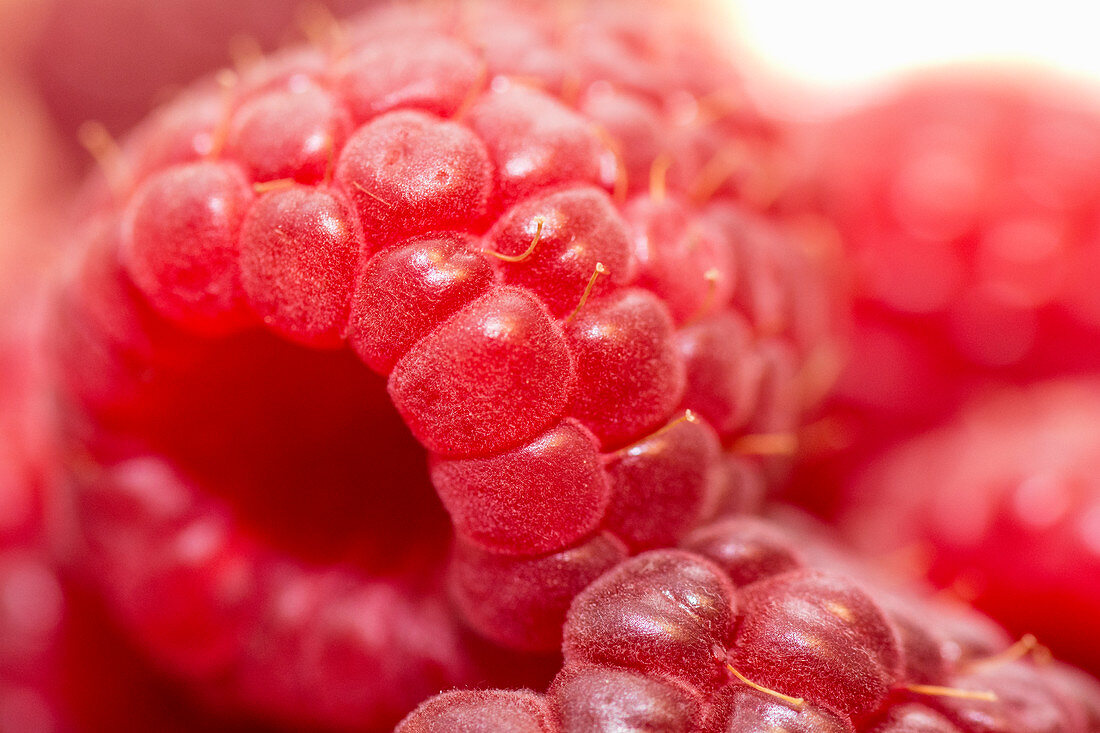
512	258
758	625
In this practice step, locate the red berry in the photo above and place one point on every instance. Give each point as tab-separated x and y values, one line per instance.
446	196
967	205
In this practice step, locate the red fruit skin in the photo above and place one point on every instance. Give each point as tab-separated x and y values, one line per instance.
663	641
661	613
606	699
660	484
423	71
495	374
534	142
739	708
288	133
820	637
180	245
722	376
580	229
297	258
969	214
404	292
538	497
912	718
746	548
520	602
629	379
409	173
481	712
1026	702
1001	504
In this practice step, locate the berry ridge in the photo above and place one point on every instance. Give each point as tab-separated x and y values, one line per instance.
465	204
666	641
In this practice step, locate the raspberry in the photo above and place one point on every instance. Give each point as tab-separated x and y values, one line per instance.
967	203
358	289
1001	504
653	645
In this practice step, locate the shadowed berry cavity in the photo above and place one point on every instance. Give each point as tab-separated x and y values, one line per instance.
663	613
817	636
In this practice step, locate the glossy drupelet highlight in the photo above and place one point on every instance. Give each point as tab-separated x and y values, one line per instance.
466	258
665	641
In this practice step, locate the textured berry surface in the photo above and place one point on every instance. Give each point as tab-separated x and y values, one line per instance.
418	272
818	636
1002	505
665	641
